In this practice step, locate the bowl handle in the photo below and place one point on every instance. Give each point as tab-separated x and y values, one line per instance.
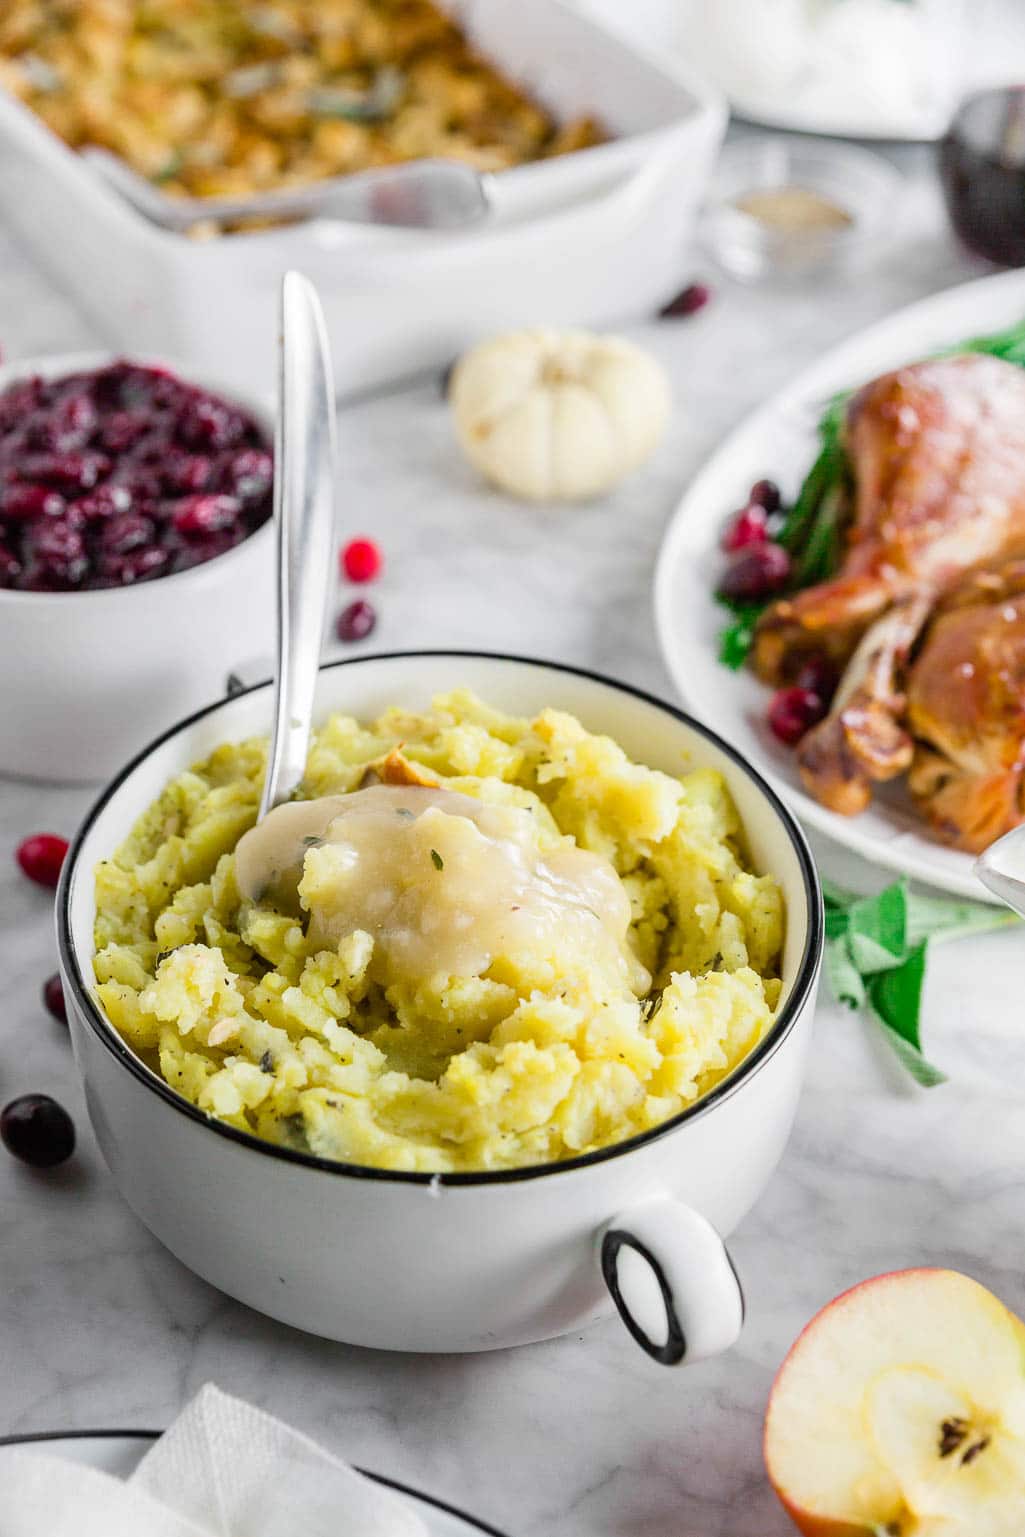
673	1282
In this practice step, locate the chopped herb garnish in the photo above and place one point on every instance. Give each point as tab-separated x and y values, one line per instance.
171	167
266	1063
311	841
436	860
405	813
360	106
295	1129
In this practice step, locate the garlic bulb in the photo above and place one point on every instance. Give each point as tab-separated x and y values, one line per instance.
558	415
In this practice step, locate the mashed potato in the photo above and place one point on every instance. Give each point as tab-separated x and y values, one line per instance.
266	1016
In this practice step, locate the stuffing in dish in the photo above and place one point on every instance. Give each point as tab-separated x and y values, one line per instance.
480	942
228	98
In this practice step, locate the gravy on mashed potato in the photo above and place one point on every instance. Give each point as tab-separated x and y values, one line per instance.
479	942
440	881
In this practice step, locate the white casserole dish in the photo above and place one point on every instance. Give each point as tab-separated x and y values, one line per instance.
466	1261
88	675
587	238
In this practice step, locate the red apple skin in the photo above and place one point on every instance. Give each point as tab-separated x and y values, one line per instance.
819	1526
806	1522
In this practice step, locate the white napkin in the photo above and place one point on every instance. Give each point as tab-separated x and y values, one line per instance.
223	1469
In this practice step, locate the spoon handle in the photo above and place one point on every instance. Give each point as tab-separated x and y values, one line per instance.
304	452
415	194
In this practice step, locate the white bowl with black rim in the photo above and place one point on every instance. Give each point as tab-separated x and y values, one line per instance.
89	674
457	1262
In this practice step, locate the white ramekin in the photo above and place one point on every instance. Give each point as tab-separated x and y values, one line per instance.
467	1261
90	675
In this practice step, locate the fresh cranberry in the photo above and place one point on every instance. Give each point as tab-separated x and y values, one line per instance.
755	572
748	526
356	621
361	560
766	493
29	500
37	1130
206	514
53	998
792	712
687	302
819	676
41	857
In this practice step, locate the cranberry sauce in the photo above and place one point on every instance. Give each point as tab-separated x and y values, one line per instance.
123	475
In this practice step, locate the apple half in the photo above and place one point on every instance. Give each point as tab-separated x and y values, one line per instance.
900	1412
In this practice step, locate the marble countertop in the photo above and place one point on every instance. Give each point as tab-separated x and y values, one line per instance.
100	1327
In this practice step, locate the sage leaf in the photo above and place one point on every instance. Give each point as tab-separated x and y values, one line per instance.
876	953
895	997
925	1074
937	918
845	979
877	930
837	923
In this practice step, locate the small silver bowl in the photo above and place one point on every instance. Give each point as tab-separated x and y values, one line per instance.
861	185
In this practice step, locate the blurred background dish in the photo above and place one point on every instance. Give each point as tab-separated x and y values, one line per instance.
982	168
586	237
229	99
796	207
881	69
868	69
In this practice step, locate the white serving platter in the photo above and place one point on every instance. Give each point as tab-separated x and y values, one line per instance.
779	441
118	1452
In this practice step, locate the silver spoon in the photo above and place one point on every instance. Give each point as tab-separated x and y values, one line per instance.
304	454
417	194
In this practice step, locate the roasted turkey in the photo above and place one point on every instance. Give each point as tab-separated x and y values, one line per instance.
937	457
966	711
